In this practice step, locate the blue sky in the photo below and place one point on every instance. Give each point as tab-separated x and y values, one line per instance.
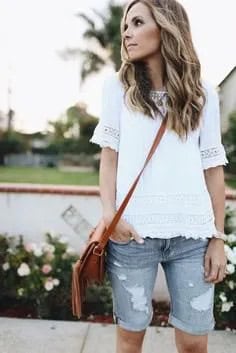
43	85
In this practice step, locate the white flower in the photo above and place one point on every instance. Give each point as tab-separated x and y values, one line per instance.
20	291
231	254
48	285
231	285
63	240
227	306
48	248
230	269
6	266
222	297
70	250
23	270
56	281
30	247
49	256
231	238
38	252
226	247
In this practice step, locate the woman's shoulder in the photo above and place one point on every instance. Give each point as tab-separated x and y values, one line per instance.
112	82
210	90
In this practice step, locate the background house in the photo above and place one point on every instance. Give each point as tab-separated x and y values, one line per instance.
227	95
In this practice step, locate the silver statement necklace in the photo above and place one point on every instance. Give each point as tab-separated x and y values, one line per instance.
159	98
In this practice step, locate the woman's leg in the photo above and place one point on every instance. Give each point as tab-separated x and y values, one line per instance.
192	298
132	270
129	341
187	343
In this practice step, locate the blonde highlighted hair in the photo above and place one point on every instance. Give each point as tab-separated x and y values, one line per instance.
182	70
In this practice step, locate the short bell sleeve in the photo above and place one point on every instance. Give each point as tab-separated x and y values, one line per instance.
211	148
107	131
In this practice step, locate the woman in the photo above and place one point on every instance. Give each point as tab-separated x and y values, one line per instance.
176	215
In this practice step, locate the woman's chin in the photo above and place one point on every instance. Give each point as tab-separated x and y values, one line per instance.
134	58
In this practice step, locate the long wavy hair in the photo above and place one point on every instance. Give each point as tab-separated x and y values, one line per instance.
182	69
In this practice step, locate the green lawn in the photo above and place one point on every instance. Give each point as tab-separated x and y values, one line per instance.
231	183
46	176
54	176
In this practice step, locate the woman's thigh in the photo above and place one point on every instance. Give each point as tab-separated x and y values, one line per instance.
192	298
132	270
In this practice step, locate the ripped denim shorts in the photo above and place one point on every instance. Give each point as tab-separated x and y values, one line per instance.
132	270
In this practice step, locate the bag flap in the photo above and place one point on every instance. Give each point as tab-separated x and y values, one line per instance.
97	232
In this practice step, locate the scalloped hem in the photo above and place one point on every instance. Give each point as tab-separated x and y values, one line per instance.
103	144
175	235
216	163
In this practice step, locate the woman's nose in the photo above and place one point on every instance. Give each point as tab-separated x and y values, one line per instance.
127	34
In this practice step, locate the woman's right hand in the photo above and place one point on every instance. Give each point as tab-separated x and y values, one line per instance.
123	231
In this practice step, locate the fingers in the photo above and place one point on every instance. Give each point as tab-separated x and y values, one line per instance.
136	236
125	232
214	273
221	273
133	234
120	236
207	265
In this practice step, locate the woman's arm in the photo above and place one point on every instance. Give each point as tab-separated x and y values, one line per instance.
107	182
215	258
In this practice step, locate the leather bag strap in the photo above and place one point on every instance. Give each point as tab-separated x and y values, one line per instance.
115	220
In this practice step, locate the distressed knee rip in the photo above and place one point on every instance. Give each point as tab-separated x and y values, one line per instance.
138	297
203	302
117	264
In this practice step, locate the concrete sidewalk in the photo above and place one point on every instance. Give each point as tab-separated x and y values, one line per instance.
47	336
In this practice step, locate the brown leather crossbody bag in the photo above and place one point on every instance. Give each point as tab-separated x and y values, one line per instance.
90	268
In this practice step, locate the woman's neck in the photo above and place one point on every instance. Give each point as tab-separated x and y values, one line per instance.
156	72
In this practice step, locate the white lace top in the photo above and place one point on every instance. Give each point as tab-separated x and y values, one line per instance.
171	198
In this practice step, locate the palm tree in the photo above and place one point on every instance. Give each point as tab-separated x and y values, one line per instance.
59	128
105	39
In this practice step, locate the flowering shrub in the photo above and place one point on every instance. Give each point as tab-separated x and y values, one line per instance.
39	273
226	291
225	298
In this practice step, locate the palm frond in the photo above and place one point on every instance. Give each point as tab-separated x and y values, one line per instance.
89	21
99	36
92	63
69	53
100	15
106	35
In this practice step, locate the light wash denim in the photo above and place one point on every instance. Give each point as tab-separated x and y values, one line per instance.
132	270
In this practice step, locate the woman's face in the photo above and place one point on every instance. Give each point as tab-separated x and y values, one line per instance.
142	36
